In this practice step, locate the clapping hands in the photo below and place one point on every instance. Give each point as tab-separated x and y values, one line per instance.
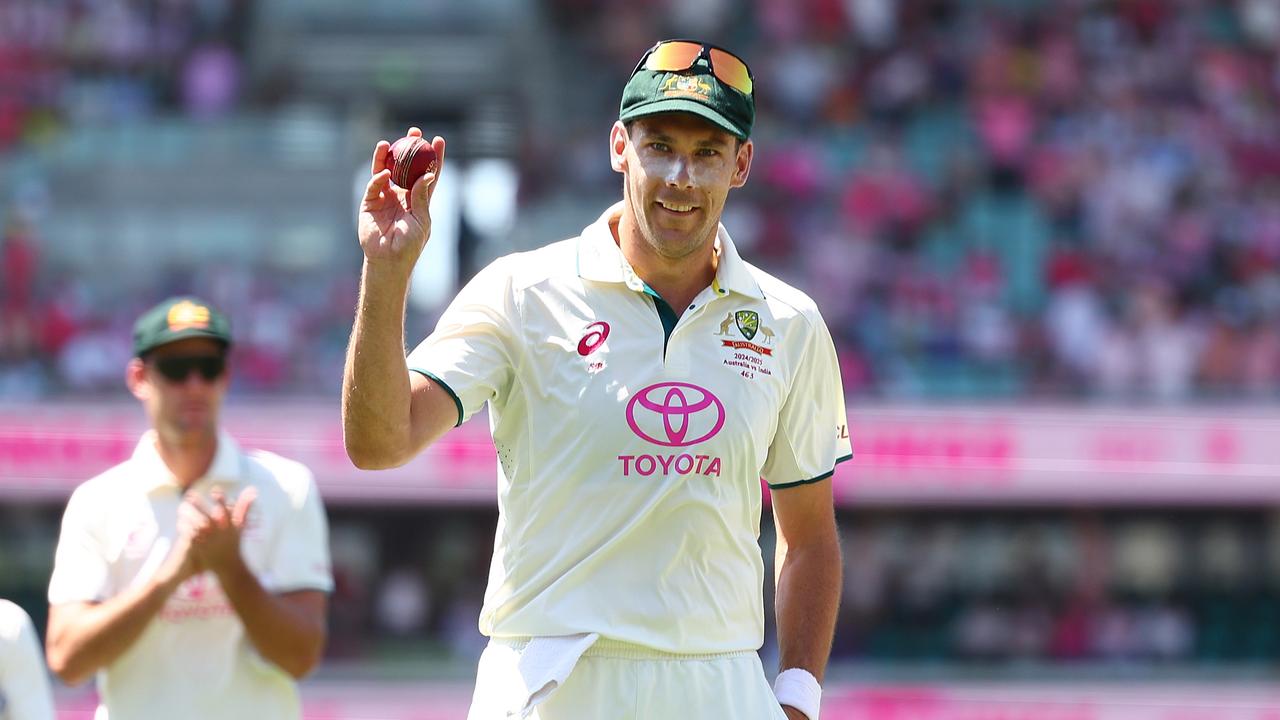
214	529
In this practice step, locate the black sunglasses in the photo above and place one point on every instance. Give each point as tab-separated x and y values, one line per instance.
177	368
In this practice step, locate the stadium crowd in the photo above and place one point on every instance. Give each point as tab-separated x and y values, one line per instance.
1019	198
992	199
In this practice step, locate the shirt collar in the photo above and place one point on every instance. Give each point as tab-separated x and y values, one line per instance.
600	259
154	474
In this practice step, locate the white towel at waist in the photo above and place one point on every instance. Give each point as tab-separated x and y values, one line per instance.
544	665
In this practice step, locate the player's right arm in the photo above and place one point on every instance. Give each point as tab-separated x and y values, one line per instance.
85	636
389	414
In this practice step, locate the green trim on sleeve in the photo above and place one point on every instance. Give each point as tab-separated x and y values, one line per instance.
447	389
810	481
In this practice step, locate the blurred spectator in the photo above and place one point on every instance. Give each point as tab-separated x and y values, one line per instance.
211	80
404	602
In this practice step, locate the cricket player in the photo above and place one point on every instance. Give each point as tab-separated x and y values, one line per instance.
24	682
193	578
641	379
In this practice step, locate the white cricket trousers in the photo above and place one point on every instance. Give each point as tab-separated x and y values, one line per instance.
619	681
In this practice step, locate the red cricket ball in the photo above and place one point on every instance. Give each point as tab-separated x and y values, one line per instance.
410	158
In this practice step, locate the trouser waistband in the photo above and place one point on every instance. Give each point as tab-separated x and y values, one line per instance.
605	647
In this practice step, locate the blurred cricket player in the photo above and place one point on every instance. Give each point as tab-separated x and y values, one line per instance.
193	578
24	681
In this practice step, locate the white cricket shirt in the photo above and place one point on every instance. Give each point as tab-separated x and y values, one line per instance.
194	660
629	461
24	682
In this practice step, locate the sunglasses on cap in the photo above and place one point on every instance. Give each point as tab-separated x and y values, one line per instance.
680	55
177	368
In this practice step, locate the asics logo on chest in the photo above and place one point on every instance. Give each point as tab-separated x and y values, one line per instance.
596	334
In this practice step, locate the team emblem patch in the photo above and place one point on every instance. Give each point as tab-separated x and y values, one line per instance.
686	86
748	322
187	314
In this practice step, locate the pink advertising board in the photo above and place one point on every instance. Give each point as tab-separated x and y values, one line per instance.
902	455
426	700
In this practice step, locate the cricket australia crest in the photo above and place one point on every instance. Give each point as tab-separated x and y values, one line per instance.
748	322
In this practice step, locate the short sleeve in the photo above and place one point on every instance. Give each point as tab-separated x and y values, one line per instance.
300	558
24	683
81	571
812	435
470	352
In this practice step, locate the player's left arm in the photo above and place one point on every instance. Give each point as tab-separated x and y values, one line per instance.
807	575
811	439
287	629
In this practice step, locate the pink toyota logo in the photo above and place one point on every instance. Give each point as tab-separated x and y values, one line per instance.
675	411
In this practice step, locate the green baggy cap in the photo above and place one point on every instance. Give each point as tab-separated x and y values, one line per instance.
695	91
179	318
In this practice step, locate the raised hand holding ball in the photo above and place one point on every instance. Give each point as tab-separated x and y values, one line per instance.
394	219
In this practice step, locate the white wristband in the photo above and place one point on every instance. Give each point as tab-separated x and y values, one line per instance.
798	688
